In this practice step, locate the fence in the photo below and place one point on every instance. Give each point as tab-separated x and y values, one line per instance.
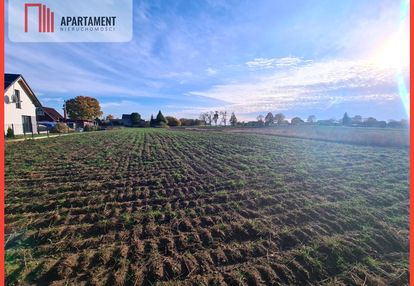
27	130
30	131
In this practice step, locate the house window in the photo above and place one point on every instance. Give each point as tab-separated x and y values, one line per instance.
18	102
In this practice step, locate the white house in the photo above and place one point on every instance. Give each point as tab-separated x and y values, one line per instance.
20	105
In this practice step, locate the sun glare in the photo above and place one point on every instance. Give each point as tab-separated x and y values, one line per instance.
396	51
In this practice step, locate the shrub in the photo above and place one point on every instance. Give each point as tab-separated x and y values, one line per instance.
10	133
163	125
172	121
88	128
190	122
61	127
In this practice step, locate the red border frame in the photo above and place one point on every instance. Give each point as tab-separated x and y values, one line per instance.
2	262
411	150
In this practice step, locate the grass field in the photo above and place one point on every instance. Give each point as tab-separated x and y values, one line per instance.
382	137
150	206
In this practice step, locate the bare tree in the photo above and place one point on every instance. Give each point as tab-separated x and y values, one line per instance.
204	117
311	119
357	119
223	115
210	117
279	118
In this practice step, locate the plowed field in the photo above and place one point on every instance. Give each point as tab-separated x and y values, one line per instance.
149	206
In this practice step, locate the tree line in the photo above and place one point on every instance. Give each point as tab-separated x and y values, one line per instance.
88	108
346	120
217	118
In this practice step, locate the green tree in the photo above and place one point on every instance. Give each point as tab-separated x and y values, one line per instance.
10	133
152	121
346	120
160	119
233	119
135	118
83	108
269	119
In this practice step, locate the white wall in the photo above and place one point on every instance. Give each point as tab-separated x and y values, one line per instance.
13	115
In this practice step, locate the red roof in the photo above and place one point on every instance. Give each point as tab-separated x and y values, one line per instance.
53	114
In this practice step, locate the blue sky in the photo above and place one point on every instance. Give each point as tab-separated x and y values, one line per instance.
296	57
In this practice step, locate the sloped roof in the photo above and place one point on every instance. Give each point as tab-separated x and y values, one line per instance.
10	79
52	113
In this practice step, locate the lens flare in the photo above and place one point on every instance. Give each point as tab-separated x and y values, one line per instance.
395	54
404	30
404	93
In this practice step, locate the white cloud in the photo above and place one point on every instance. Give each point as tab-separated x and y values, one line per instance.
174	74
50	99
119	107
211	71
306	84
266	63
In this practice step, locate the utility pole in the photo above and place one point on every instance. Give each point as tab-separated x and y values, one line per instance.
64	110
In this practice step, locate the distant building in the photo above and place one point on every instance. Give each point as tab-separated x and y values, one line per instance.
328	122
20	104
116	121
126	120
75	124
48	114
